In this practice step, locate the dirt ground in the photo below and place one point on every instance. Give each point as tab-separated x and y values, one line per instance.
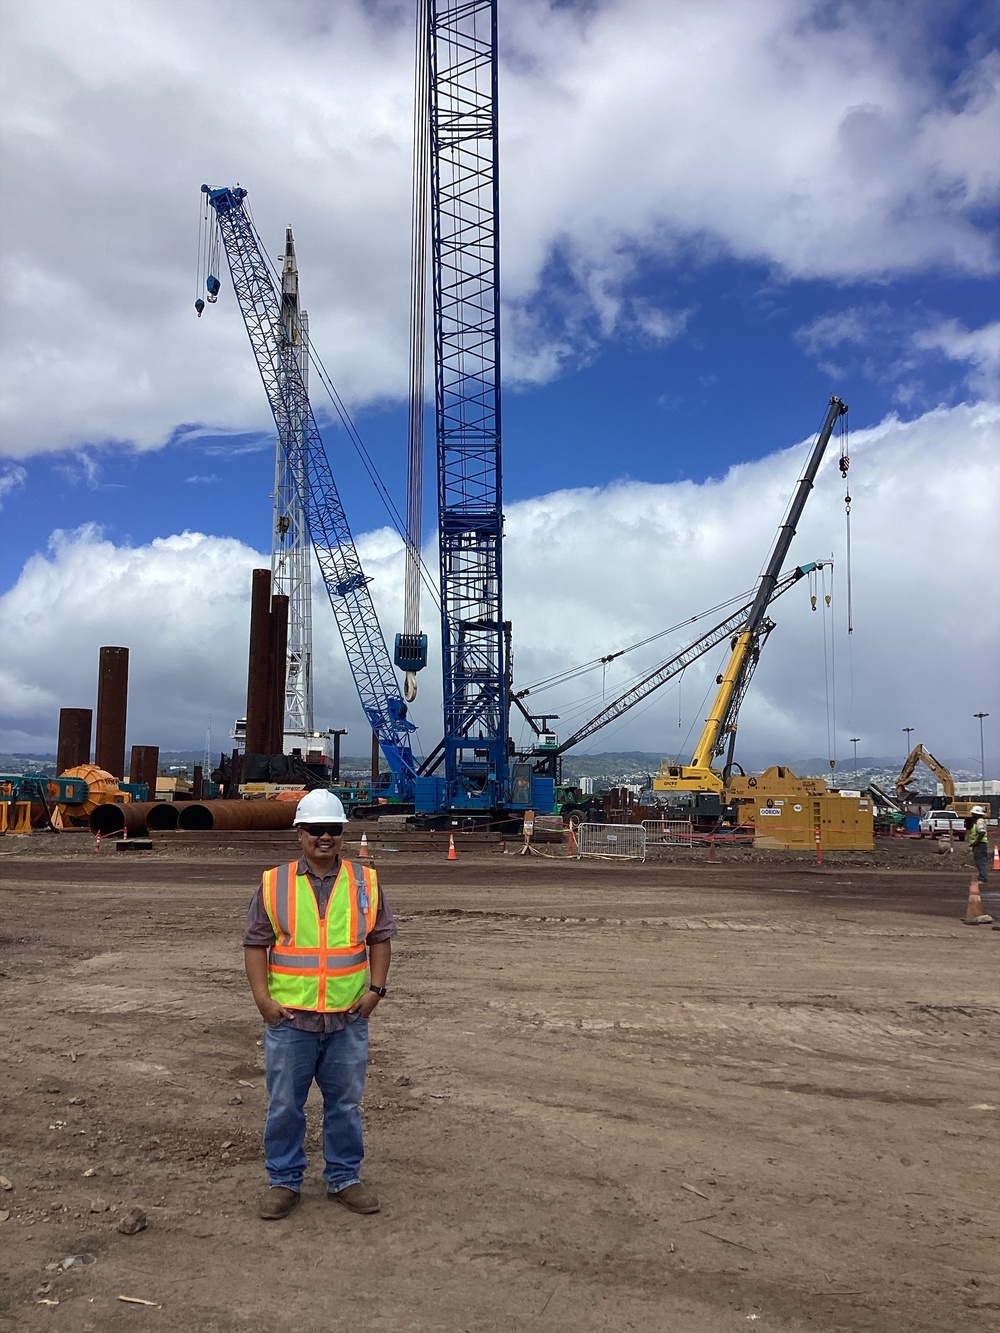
673	1096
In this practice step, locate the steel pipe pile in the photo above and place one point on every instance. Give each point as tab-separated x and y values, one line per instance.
73	750
143	765
162	816
112	703
198	816
277	664
258	694
131	818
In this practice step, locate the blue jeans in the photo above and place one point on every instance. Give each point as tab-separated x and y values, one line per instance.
981	853
338	1061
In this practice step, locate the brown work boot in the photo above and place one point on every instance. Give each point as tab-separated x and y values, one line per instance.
359	1198
277	1202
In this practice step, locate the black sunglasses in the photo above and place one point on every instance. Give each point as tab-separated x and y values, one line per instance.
317	830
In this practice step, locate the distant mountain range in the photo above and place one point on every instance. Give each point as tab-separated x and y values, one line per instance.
615	768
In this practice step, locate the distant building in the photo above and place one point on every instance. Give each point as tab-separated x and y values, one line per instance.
967	790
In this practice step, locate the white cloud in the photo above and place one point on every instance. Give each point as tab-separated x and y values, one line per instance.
979	349
11	477
587	572
897	347
631	130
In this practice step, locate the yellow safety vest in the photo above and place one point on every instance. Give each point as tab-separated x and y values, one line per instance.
319	963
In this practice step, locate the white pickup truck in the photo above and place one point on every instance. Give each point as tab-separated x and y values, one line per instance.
942	823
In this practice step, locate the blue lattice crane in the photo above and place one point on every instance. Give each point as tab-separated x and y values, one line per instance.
465	241
259	298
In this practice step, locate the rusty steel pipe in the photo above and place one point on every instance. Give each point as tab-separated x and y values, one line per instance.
258	698
131	818
143	765
73	749
112	705
162	816
202	815
277	670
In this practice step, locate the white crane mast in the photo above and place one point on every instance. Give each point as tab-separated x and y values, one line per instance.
290	549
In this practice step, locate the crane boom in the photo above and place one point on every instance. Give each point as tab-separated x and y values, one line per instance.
747	647
735	678
465	240
329	531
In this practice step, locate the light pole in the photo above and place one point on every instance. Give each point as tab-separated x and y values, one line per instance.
982	751
908	730
854	742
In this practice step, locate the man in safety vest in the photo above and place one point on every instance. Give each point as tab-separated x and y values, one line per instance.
317	948
977	835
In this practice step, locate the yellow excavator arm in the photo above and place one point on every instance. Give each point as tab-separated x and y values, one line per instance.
918	755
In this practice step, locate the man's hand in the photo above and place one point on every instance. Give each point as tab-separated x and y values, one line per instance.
365	1005
272	1012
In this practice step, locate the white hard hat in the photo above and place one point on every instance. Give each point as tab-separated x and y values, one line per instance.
978	810
320	807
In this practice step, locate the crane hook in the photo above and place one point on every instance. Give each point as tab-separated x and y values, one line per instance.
199	305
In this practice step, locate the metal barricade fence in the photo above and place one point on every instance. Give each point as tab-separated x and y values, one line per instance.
668	832
627	841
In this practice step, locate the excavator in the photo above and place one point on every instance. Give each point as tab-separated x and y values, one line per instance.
919	755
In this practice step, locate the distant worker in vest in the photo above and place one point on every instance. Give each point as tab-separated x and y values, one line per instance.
317	948
977	835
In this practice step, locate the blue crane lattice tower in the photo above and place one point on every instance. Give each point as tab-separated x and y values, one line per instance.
278	363
466	268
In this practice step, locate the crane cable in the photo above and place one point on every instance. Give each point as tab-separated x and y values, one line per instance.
845	463
316	361
572	672
418	331
829	669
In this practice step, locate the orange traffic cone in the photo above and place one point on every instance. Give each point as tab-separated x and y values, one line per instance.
452	854
571	845
363	849
974	913
996	857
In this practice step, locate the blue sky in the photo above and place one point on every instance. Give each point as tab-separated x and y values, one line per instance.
738	385
714	215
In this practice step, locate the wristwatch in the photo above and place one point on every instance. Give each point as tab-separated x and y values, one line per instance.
380	991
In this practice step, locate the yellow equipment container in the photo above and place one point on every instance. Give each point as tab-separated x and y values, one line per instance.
785	811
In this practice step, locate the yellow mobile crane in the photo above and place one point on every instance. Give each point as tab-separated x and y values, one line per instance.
785	809
719	732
